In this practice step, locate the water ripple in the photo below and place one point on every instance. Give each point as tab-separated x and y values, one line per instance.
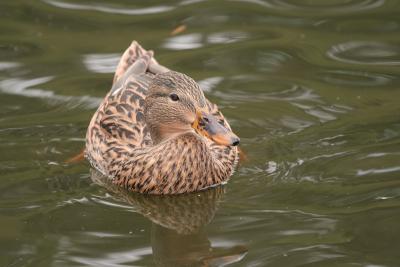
24	87
377	171
197	40
379	155
363	52
208	84
183	42
290	93
226	37
354	78
295	124
109	9
118	258
101	63
272	60
322	7
367	25
8	65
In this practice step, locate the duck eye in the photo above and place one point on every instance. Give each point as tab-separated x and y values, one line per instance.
174	97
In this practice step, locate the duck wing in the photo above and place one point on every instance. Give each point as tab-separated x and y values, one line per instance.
121	115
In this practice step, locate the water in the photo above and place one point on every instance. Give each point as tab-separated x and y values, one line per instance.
311	87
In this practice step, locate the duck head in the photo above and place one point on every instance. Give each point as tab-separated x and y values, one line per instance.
175	104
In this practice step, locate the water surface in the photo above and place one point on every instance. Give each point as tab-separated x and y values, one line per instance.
311	87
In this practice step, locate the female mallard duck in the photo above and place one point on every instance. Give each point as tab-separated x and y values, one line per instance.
155	132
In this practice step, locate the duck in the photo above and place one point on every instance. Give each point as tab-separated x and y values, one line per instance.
156	133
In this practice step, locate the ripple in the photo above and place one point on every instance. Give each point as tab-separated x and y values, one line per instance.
208	84
317	253
111	203
101	63
336	6
285	91
322	112
82	200
102	234
380	154
118	258
184	42
323	7
8	65
354	78
189	2
226	37
287	171
272	167
108	9
362	52
197	40
28	88
270	61
377	171
295	124
367	25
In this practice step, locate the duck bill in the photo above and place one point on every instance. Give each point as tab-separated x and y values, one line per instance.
207	125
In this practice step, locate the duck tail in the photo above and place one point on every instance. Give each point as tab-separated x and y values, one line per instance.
134	52
77	158
131	54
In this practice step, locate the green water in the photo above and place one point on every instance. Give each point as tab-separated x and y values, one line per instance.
311	87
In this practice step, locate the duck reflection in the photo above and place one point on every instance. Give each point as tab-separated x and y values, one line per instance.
178	237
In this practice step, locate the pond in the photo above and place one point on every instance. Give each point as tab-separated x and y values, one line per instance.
311	87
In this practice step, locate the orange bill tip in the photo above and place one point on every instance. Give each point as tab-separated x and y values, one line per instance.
207	125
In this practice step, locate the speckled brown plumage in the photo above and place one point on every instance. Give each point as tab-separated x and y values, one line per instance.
119	142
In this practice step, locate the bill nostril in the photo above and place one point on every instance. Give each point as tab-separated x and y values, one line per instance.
236	142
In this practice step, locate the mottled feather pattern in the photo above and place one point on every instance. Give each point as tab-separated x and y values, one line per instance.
118	142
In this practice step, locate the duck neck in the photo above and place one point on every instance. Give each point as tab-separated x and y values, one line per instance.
160	134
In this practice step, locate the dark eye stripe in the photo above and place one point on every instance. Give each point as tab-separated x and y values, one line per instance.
159	95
